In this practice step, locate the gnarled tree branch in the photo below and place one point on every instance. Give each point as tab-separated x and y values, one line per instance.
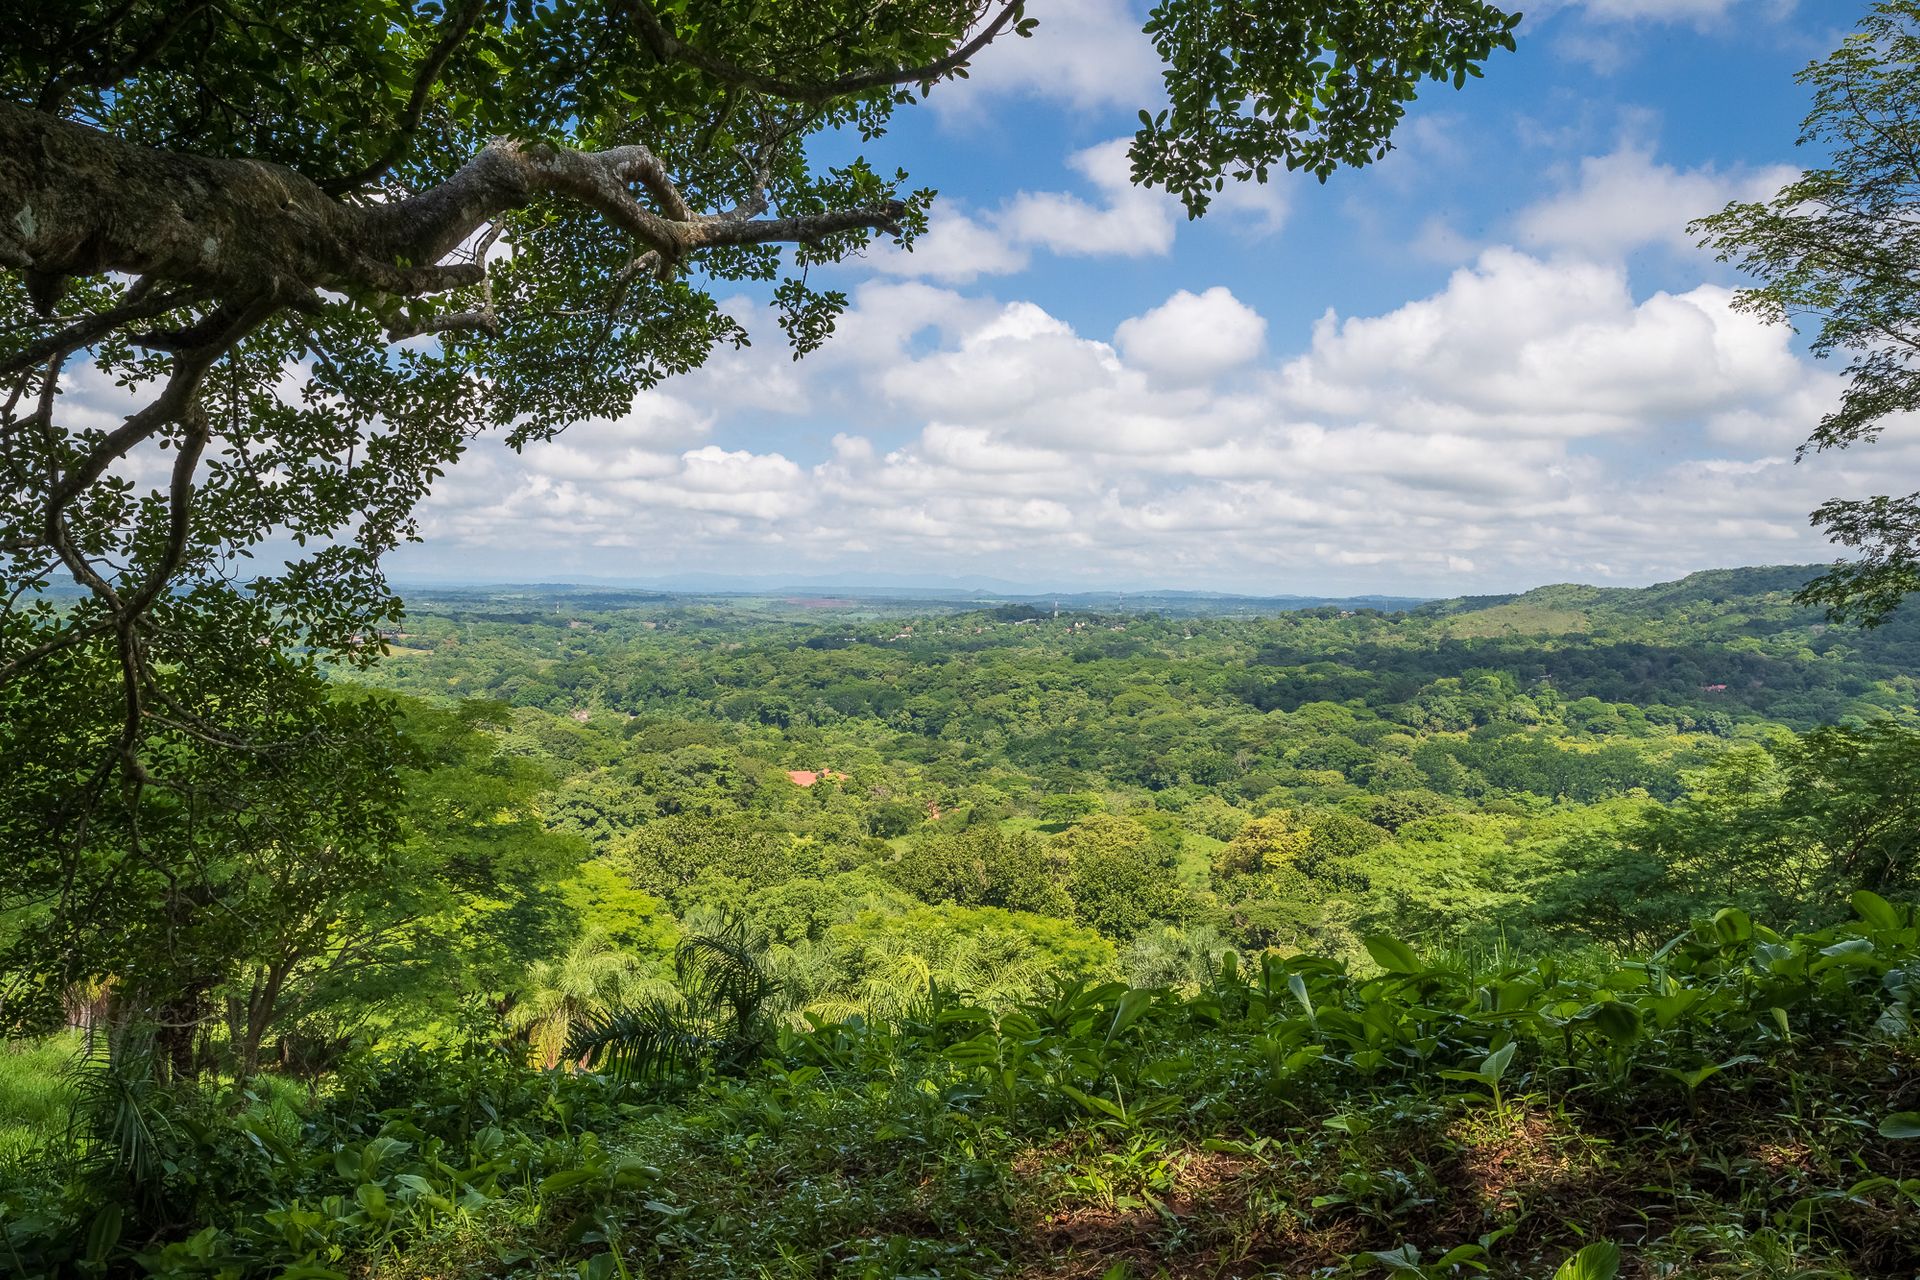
84	203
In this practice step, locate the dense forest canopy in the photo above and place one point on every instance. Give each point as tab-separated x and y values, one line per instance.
581	933
646	841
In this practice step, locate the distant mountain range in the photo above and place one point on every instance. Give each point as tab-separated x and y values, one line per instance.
1558	606
1709	585
986	591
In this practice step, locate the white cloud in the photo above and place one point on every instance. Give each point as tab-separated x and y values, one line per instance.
1697	13
1193	337
1259	209
1626	199
1658	10
1516	345
1085	54
955	249
1121	220
1130	222
1533	420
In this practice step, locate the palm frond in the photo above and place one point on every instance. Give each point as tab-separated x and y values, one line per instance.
118	1113
724	974
651	1041
718	1018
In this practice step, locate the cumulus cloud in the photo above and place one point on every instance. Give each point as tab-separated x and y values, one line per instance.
1085	54
1608	35
1658	10
955	249
1119	220
1533	419
1520	346
1626	199
1130	221
1193	337
1257	209
1697	13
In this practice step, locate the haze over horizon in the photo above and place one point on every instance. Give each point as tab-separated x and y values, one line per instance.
982	584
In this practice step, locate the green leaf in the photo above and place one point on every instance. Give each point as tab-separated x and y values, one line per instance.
1874	909
1618	1021
1393	955
1099	1106
1731	924
373	1198
1297	985
1700	1075
1853	952
1901	1124
1132	1005
1405	1258
1598	1261
103	1234
567	1179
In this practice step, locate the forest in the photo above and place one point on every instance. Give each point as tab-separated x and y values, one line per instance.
886	914
945	933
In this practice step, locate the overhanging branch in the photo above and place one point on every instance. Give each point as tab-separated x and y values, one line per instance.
669	47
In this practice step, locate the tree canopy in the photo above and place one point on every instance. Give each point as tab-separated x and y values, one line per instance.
1836	247
317	248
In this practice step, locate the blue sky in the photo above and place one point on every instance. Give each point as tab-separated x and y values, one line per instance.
1491	361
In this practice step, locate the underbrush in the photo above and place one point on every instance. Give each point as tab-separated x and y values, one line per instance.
1738	1104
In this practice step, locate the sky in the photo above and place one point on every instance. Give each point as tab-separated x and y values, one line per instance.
1491	361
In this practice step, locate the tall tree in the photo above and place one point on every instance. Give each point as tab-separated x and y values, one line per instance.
1838	246
318	247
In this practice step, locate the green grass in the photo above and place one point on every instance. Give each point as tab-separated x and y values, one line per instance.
1518	619
34	1096
1196	858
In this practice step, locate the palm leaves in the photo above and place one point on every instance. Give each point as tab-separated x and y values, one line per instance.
718	1018
896	977
564	994
119	1114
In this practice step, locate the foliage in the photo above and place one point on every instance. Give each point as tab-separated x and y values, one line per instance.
1311	85
323	248
719	1018
1291	1114
560	998
980	865
906	1078
1831	246
1119	877
1465	790
1794	822
315	897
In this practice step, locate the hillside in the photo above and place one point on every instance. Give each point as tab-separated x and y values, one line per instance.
721	936
1703	597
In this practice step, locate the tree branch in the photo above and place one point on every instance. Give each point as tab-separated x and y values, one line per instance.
458	27
668	47
244	230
